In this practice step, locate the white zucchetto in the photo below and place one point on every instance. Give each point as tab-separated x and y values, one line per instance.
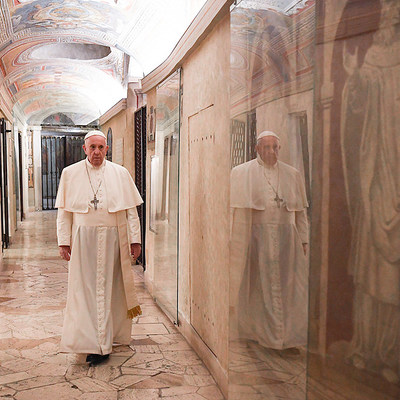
267	133
95	133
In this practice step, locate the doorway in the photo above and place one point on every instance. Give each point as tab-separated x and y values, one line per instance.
57	153
5	232
140	174
20	177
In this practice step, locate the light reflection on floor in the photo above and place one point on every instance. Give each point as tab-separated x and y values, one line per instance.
257	373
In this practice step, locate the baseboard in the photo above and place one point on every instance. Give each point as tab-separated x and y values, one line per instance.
207	356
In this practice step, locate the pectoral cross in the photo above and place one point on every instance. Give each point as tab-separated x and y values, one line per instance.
278	200
95	201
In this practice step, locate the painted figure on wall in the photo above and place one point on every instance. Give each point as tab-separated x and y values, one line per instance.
370	117
270	236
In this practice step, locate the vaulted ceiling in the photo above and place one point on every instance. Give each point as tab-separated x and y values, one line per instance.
76	56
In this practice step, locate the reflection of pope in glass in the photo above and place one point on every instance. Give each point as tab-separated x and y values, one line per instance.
270	236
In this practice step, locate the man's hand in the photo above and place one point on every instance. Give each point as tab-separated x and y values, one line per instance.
136	249
305	248
65	252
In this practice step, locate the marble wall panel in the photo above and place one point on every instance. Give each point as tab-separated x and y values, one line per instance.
205	162
203	191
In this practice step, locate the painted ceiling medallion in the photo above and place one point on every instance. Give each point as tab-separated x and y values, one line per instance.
61	14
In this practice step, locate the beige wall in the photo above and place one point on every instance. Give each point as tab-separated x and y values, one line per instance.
122	125
203	197
118	126
205	169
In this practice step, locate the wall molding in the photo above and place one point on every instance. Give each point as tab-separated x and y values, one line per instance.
113	111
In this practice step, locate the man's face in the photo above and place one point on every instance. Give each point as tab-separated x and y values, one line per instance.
95	148
268	149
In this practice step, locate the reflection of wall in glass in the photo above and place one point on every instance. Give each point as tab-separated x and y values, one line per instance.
355	347
153	193
164	194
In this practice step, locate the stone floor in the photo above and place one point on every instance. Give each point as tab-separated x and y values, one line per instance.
258	373
33	286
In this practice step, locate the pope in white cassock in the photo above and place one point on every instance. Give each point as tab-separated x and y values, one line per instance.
269	245
96	221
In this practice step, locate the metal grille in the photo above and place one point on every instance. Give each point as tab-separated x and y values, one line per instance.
109	144
140	171
251	136
57	153
237	142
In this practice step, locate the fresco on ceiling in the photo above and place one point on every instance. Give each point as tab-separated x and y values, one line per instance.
55	99
51	75
9	58
18	56
58	119
67	15
122	4
25	25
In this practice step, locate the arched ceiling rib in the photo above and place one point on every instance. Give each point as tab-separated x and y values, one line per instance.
71	56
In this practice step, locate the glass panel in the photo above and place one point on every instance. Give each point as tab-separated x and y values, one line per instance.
355	264
272	56
164	196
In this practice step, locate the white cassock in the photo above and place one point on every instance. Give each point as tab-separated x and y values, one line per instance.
101	296
269	290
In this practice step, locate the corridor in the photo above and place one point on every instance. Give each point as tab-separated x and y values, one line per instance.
33	287
262	137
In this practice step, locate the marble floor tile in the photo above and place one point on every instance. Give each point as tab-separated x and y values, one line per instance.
210	392
139	394
60	391
149	329
6	392
159	381
100	396
124	381
257	373
158	363
191	396
178	391
87	385
11	378
36	382
105	373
